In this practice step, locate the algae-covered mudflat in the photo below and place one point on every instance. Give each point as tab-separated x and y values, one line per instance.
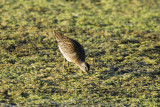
122	43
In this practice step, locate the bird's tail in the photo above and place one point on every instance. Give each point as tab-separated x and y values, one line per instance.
59	36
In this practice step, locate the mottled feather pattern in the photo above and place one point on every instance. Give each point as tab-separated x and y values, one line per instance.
72	50
59	36
71	46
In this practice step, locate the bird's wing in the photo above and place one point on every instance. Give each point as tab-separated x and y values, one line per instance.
71	46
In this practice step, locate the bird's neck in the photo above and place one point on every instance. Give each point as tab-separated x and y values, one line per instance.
80	63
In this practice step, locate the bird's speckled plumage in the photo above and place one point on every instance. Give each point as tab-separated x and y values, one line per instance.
71	50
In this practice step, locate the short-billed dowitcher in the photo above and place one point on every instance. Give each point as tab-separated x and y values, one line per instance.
71	50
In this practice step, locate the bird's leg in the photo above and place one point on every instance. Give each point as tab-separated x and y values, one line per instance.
67	63
64	63
68	68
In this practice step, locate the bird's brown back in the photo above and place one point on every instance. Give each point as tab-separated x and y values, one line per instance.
70	47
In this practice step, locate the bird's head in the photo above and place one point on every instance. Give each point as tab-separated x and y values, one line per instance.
84	67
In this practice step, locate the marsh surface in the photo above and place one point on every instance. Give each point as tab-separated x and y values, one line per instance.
122	43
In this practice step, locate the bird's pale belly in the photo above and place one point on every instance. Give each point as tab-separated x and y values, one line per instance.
68	58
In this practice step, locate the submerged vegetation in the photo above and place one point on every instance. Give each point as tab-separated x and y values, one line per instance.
122	43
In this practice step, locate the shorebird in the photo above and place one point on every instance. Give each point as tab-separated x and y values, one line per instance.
71	50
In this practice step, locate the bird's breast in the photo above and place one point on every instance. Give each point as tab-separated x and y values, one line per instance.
67	56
